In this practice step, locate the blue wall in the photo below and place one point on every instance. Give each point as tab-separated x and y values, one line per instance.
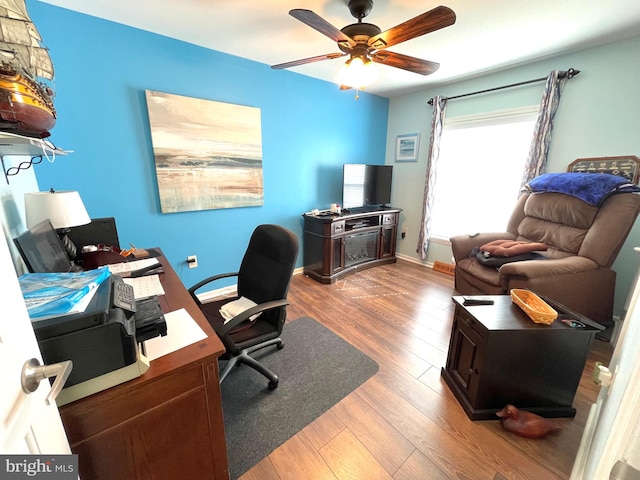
309	129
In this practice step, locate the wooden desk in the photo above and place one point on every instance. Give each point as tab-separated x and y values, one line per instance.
164	424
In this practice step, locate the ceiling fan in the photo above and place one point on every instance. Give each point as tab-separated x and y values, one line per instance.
366	43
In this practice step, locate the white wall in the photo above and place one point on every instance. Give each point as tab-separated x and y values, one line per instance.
12	216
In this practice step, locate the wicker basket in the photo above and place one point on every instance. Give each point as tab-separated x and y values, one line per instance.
536	308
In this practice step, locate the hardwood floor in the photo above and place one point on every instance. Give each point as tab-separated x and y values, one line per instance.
404	423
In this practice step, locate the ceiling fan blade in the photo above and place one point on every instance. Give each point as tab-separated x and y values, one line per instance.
295	63
405	62
430	21
318	23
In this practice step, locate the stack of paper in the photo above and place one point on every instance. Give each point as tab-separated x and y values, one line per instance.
235	308
183	330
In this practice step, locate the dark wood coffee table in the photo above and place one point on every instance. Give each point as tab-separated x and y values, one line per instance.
498	356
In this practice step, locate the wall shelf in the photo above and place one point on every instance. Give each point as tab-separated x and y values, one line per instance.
19	145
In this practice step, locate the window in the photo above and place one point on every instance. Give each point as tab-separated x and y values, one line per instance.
479	171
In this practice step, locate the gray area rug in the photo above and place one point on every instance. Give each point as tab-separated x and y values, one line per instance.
316	368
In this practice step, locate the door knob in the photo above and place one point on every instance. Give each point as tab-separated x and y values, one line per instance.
33	373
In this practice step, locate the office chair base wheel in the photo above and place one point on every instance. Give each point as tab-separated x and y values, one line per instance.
273	384
280	345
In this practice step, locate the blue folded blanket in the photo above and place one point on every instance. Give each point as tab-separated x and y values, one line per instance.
592	188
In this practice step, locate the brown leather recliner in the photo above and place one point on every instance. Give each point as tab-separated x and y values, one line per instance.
583	241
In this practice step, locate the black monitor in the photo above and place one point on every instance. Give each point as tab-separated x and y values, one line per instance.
99	230
42	251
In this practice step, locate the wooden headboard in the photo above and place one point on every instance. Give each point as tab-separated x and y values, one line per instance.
627	167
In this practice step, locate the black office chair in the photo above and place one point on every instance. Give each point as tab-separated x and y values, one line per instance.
264	277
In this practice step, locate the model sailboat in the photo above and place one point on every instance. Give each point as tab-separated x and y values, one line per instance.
26	103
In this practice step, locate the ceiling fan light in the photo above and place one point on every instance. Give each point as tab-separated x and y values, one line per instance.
358	73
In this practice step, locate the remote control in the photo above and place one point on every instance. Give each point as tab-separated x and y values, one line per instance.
477	300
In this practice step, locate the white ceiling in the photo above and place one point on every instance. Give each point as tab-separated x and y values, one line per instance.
488	35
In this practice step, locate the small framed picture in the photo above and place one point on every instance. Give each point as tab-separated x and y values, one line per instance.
407	147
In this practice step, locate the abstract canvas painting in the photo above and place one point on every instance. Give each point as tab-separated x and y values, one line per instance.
208	154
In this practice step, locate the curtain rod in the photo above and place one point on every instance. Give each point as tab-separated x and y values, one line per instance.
569	74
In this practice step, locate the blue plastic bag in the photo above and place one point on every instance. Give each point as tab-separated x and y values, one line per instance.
55	294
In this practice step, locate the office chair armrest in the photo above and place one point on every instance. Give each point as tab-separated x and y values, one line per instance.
244	316
213	278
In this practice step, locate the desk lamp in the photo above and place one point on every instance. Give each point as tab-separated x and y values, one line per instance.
63	208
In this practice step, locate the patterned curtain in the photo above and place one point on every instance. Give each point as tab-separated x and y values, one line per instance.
537	160
437	123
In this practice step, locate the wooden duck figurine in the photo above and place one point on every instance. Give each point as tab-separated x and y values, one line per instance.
526	424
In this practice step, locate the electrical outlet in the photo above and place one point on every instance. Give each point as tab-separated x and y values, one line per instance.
405	230
192	261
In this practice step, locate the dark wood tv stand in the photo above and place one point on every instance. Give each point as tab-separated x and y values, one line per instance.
337	245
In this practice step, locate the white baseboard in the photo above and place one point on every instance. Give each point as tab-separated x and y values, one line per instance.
417	261
211	295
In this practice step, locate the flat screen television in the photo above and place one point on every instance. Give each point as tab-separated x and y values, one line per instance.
42	251
366	186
